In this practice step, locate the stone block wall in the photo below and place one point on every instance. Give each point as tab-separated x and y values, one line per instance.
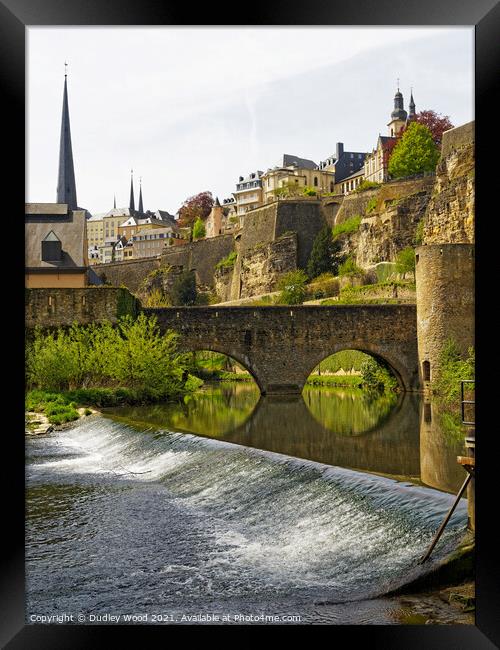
129	273
62	307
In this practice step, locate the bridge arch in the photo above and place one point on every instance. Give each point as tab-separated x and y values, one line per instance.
404	382
234	355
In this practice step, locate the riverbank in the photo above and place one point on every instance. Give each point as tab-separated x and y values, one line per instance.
444	597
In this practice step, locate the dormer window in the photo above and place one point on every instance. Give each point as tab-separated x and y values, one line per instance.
51	248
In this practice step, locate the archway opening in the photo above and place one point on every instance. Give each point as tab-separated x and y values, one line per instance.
210	365
352	392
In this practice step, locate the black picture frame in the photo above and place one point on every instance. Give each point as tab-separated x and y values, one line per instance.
15	16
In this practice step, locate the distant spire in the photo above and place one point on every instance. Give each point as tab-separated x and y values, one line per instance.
66	186
114	202
411	113
141	209
132	202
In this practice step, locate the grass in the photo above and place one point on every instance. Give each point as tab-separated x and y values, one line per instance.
228	261
335	380
349	225
62	407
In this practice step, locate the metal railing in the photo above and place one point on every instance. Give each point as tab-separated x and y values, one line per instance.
464	401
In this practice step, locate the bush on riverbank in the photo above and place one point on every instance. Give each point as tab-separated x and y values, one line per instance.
132	360
377	377
446	388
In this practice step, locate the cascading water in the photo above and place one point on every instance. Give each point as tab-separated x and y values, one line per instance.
122	520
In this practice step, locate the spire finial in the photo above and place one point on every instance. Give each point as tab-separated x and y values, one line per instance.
132	201
65	69
398	83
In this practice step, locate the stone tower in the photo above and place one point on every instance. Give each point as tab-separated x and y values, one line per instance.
398	115
66	186
445	261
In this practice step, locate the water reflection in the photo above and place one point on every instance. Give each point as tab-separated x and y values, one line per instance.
391	435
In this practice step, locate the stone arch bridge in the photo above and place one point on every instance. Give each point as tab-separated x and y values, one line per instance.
280	346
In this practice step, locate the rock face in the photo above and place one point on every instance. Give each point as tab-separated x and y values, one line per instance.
263	264
390	216
450	213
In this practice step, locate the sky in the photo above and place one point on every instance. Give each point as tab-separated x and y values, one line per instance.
193	109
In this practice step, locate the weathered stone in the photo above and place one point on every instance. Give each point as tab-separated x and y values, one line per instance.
281	345
450	213
262	265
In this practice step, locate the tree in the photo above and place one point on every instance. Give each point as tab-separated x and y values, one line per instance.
292	286
324	254
194	207
435	122
184	289
198	229
414	153
405	261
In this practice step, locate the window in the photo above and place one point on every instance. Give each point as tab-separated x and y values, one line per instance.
426	370
315	181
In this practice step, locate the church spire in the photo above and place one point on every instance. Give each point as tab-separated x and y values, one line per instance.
66	186
411	112
132	201
140	195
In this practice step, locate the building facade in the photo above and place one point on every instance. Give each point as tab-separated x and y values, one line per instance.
343	163
248	194
56	246
293	176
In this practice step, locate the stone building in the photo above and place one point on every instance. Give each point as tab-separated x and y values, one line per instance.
350	183
151	242
215	222
248	194
56	246
343	163
295	174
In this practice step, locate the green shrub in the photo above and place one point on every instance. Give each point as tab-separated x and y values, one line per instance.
348	226
227	262
184	290
371	205
367	185
405	261
199	230
349	267
377	376
324	257
292	286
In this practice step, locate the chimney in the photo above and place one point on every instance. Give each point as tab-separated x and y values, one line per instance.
339	149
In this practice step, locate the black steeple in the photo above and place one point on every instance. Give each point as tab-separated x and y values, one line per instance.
411	114
141	209
217	203
132	202
66	186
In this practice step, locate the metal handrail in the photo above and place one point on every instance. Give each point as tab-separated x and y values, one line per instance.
463	401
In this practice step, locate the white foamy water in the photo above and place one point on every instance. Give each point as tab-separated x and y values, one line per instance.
175	519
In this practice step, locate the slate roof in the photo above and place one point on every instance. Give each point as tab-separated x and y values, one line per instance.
302	163
69	226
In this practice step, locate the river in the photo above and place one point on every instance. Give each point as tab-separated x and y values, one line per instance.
230	505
